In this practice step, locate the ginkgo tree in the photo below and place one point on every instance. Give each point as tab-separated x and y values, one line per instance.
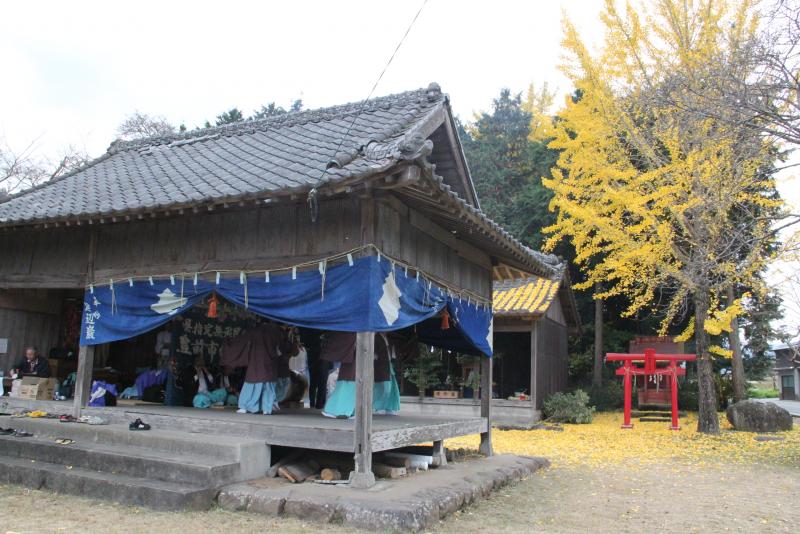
664	206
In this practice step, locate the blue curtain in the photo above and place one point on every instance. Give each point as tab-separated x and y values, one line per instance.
372	294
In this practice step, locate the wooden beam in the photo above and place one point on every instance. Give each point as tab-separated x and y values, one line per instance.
83	379
486	405
462	248
362	476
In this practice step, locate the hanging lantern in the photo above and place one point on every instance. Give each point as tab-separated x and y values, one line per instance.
212	306
445	320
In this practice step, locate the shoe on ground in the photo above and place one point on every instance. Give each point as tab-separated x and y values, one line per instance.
139	425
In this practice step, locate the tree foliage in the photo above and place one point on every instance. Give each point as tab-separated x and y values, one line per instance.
662	205
229	117
507	166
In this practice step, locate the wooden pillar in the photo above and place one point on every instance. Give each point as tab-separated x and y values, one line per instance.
362	476
439	455
627	388
673	382
534	391
486	405
83	379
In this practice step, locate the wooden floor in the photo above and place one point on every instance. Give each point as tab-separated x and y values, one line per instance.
304	428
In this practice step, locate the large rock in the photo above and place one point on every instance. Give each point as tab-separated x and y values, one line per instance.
754	416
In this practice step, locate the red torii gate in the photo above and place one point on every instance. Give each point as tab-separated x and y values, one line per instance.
650	368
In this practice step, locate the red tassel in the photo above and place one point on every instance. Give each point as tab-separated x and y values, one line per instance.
212	307
445	320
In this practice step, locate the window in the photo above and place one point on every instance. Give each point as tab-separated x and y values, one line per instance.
787	381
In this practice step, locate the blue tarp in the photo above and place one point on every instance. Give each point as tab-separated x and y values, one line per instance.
373	294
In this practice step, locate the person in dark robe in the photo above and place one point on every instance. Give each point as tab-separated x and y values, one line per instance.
340	347
385	391
258	349
317	367
32	364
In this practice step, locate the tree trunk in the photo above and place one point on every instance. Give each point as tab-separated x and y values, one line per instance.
597	375
737	365
707	421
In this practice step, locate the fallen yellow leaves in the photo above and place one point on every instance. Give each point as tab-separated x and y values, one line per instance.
603	442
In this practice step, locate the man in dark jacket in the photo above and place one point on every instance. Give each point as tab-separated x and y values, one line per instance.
32	364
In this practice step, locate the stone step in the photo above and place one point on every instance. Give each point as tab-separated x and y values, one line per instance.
124	459
123	489
655	413
253	456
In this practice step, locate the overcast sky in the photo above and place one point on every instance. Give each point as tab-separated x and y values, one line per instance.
74	70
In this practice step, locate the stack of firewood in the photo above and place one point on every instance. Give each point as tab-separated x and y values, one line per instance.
332	468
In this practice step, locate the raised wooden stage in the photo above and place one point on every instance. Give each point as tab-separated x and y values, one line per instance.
304	428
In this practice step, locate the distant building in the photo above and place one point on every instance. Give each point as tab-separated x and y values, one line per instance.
787	369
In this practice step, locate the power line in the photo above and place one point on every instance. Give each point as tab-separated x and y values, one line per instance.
312	194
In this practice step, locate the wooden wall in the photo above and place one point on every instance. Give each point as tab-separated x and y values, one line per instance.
408	235
552	367
250	238
53	257
555	312
28	317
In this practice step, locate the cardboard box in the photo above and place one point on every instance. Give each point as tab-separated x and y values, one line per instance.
33	387
444	394
15	385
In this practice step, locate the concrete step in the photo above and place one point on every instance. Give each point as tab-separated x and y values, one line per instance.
124	459
118	488
252	456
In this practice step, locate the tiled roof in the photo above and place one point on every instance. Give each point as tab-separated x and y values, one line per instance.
280	154
531	296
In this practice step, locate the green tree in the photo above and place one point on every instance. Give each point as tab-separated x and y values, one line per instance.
229	117
273	109
507	167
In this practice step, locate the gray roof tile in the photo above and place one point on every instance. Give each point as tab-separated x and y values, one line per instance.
285	153
273	155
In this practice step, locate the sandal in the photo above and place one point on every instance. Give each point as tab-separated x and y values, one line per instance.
139	425
67	419
65	441
92	420
6	431
22	434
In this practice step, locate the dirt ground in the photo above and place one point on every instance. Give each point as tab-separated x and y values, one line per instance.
672	498
603	479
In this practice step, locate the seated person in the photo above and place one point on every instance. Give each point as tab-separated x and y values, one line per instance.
32	365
